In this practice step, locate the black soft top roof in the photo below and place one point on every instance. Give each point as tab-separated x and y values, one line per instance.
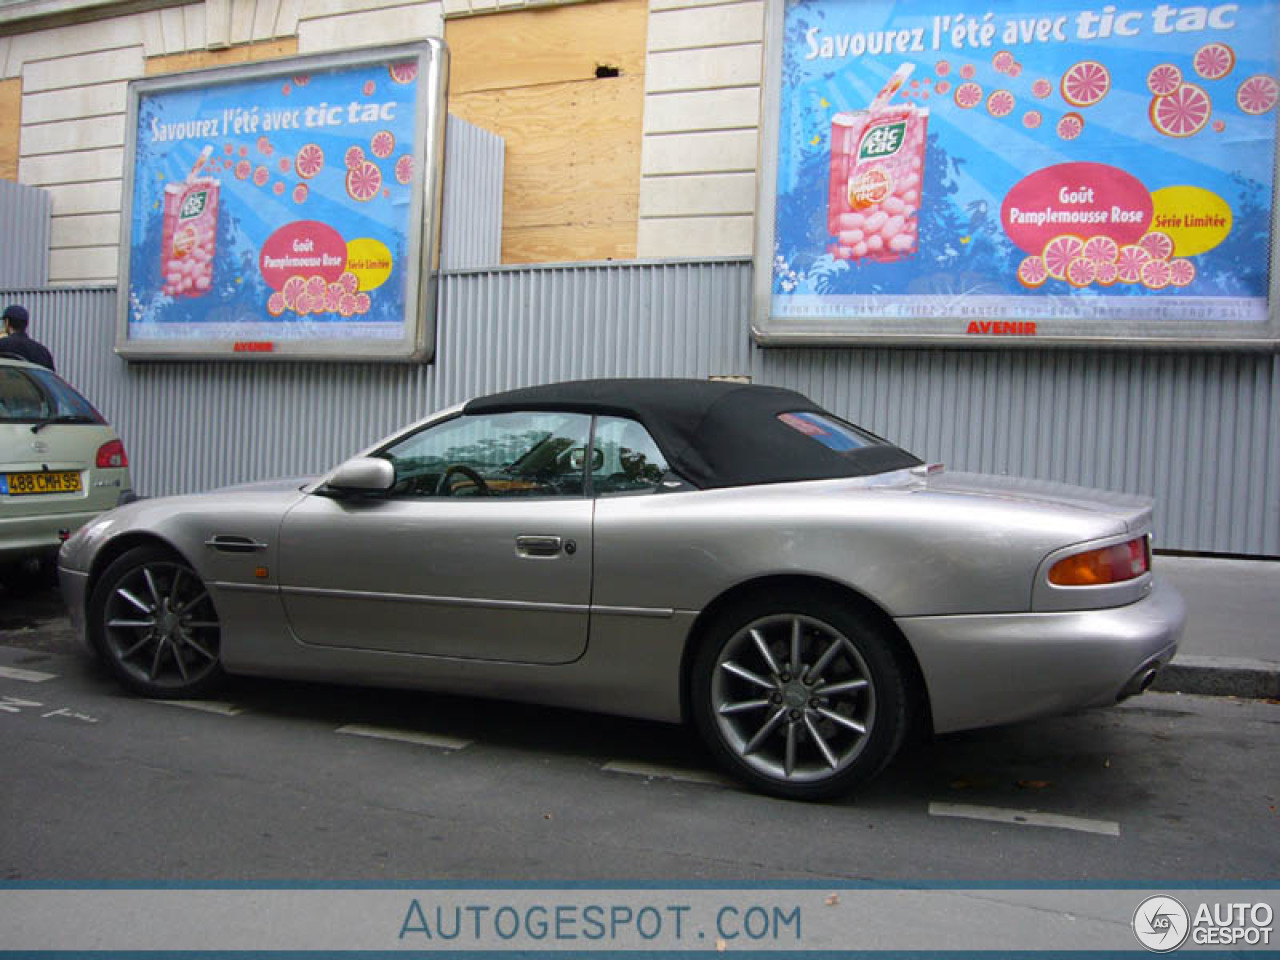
713	433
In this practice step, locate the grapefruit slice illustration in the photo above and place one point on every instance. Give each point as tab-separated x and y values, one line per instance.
1163	79
364	181
942	68
1181	272
1002	61
404	168
275	304
1182	113
1129	263
1042	88
1032	119
405	72
308	161
382	143
1159	245
1101	249
1059	252
1081	272
243	169
942	87
292	288
968	95
1000	103
1085	83
1070	126
1258	94
1032	272
1214	61
300	193
1107	273
353	157
967	71
1156	274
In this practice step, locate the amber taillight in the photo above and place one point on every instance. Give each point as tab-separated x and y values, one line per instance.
1114	564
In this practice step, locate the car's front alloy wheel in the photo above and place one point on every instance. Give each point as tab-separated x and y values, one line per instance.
154	623
802	699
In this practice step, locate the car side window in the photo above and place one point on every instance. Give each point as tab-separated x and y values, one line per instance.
626	459
533	454
21	401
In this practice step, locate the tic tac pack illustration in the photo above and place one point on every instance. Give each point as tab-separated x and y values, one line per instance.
190	238
877	170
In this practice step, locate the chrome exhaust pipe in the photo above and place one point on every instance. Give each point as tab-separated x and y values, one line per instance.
1140	682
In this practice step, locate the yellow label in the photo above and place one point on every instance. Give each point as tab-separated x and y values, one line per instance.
1196	219
370	261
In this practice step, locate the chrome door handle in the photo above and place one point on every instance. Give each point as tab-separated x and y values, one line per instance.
230	543
531	546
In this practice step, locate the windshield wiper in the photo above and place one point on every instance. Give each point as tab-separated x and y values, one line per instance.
64	418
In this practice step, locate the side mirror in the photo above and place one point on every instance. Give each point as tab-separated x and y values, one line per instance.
363	475
578	457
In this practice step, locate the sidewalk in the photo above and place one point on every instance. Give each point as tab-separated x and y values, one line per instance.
1231	646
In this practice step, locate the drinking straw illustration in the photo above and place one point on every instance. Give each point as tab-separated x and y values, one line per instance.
200	162
895	83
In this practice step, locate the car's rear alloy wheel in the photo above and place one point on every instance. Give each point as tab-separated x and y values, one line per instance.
802	699
154	623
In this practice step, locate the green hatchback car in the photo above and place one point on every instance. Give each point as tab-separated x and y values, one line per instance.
61	465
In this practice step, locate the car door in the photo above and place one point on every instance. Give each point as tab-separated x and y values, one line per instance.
480	550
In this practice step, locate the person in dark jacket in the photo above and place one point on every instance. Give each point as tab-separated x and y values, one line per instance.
17	343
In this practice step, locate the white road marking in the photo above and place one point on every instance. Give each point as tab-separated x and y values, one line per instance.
17	705
204	706
30	676
1025	818
666	773
404	736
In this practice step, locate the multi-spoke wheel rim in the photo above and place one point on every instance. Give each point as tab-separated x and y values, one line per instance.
793	698
161	626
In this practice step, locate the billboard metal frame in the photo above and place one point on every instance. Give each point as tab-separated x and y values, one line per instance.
770	330
424	218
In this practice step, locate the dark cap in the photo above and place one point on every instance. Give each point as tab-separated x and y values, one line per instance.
16	311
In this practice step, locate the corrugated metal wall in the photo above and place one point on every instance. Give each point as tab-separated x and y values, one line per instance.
26	217
1201	432
475	163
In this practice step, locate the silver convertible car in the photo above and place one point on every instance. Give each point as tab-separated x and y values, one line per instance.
800	591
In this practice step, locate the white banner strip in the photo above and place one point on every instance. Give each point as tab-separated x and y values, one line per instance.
938	920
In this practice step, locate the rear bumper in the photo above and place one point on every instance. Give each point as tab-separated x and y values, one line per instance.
983	670
39	535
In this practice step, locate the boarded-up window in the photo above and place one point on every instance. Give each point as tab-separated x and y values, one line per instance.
10	126
202	59
564	86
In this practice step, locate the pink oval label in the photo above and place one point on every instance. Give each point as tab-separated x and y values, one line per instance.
1084	199
303	248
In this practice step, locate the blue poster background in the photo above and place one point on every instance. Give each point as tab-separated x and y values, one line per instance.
279	151
973	159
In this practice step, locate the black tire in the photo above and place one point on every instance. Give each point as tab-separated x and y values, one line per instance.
155	626
795	734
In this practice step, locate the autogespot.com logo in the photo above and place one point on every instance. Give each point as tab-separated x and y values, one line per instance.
1161	923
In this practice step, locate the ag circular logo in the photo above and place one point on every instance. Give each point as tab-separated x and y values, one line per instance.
1161	923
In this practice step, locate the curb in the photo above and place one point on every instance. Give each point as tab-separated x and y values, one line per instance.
1220	677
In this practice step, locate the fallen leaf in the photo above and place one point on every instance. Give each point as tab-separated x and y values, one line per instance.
832	900
1034	784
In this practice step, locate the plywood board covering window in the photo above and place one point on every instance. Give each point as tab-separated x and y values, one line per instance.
10	126
202	59
564	86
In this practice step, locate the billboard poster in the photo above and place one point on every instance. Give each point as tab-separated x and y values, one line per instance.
1031	170
284	209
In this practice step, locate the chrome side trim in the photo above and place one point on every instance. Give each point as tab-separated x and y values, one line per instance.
655	613
234	587
438	601
660	613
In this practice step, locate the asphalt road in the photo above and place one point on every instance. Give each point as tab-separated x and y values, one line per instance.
281	781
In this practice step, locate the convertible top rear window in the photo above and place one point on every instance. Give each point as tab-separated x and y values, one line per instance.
831	433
